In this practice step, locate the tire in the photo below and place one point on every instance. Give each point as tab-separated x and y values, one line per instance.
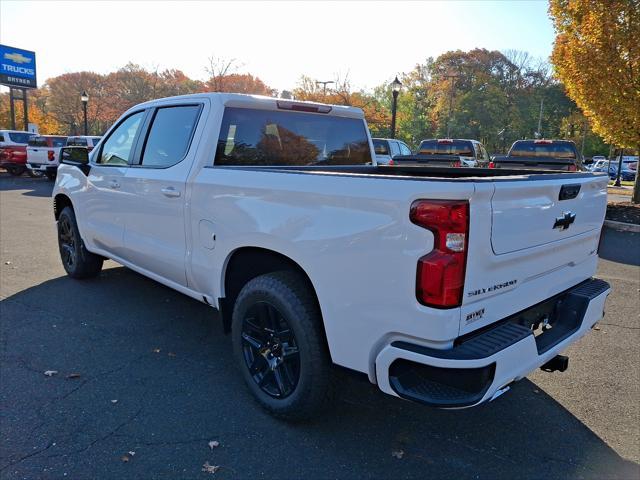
77	261
35	173
16	171
290	378
51	176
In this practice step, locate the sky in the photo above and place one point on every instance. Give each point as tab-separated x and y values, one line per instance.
277	41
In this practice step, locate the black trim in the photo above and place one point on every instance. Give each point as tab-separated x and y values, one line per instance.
427	174
570	191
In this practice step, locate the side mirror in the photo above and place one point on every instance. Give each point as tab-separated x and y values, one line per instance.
74	156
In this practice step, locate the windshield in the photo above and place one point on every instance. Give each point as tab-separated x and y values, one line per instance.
526	148
266	137
58	141
460	148
20	137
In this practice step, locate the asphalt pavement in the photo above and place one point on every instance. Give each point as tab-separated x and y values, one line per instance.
145	380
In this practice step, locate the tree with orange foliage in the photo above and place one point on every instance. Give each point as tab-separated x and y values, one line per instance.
597	56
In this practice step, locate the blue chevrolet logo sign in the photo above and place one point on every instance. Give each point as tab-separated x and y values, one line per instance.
17	67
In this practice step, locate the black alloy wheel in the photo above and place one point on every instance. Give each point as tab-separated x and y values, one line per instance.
270	350
68	250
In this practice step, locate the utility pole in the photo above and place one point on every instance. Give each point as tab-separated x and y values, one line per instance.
324	86
584	137
539	132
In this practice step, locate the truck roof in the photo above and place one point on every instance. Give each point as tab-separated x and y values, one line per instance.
243	100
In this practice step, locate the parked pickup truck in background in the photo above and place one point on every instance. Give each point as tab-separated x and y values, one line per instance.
540	154
447	152
43	154
13	151
83	141
442	285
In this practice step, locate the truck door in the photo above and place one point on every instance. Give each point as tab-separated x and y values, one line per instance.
105	207
154	237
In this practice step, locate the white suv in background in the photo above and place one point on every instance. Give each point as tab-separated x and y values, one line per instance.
387	148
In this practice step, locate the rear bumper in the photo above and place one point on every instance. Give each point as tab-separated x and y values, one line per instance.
42	167
481	367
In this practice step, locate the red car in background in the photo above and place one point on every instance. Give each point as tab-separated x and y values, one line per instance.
13	150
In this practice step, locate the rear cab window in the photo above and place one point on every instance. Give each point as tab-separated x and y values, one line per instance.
459	148
543	148
278	138
37	142
77	142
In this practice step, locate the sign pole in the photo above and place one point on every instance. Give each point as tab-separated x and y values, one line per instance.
13	109
26	110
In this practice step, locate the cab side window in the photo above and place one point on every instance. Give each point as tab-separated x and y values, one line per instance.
395	149
404	150
170	135
117	149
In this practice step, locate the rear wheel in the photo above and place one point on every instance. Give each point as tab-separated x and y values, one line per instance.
16	171
77	261
35	173
279	344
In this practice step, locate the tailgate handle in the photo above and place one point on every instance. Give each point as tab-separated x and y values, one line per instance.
567	192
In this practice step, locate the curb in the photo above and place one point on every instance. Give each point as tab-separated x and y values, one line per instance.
622	226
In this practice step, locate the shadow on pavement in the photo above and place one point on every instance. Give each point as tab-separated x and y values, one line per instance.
157	377
620	247
35	187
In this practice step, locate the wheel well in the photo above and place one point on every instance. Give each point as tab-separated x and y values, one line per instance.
248	263
59	203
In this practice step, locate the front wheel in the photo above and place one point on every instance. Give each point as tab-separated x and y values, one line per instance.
278	341
77	261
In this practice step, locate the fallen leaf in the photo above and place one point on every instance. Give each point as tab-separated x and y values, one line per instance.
397	454
156	350
213	444
597	327
132	453
125	458
171	354
51	373
73	375
536	391
207	468
7	263
114	401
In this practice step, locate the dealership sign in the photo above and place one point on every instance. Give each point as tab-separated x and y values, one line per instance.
17	67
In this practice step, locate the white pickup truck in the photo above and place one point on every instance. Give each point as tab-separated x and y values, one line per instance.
443	285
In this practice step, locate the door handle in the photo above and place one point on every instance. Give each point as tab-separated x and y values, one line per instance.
170	192
114	184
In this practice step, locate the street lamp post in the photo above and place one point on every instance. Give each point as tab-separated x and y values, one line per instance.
395	90
324	86
85	99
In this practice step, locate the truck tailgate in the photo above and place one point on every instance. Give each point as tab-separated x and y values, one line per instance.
529	214
526	245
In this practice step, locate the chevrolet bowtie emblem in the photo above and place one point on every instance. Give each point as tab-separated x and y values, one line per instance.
565	220
17	57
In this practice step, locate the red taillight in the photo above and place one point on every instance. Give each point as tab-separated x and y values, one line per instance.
391	162
51	155
572	167
492	165
457	164
440	275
